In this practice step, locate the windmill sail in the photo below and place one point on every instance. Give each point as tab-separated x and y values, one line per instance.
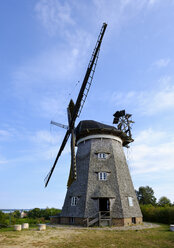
76	109
72	173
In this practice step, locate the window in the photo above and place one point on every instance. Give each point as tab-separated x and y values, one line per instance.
102	176
73	201
102	155
130	200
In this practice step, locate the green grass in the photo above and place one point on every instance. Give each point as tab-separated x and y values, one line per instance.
159	237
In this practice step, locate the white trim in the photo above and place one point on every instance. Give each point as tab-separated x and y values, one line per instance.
99	136
102	176
102	155
130	200
74	201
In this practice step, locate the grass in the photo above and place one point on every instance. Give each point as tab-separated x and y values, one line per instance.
88	238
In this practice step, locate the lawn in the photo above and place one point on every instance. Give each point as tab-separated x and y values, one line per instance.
159	237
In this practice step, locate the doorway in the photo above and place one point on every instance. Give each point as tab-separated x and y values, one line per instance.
104	205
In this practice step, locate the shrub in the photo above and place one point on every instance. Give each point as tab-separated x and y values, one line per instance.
3	220
158	214
43	213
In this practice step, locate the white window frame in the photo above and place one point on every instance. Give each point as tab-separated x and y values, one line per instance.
74	201
102	155
102	176
130	201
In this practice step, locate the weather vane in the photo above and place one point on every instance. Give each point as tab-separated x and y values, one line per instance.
124	122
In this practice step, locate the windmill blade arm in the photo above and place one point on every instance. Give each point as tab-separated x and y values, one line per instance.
59	125
81	97
47	178
91	65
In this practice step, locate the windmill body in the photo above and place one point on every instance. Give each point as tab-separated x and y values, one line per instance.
103	193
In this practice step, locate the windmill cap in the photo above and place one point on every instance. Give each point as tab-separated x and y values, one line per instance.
89	127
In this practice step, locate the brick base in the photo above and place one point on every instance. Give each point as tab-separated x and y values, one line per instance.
82	221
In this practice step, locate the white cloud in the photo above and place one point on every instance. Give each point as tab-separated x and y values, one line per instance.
61	62
47	144
153	151
3	162
54	64
54	15
58	20
152	2
162	62
148	102
118	13
148	136
44	136
54	107
4	134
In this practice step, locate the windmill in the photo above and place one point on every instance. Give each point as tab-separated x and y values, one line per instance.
100	190
74	111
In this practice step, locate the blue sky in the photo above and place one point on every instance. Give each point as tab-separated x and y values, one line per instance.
45	48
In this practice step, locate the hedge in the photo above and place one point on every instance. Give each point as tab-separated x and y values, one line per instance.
158	214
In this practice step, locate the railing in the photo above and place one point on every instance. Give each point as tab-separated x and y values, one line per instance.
104	214
91	220
98	217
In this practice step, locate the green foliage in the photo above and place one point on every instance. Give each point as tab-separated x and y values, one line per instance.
3	220
43	213
16	214
145	195
158	214
34	216
164	201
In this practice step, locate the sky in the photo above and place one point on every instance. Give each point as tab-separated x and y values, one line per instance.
45	47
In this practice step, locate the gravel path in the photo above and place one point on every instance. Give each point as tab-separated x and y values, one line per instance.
145	225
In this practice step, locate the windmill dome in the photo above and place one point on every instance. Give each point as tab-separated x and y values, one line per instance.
86	128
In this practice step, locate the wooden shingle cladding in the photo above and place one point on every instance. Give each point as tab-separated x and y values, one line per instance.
118	187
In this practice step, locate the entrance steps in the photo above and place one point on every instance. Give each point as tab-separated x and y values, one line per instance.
101	218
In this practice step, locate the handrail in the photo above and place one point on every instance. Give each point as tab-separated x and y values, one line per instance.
92	216
98	215
105	213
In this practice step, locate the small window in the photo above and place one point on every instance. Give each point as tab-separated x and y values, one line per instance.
73	201
130	200
102	176
102	155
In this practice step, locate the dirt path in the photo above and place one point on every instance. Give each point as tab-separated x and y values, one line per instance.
145	225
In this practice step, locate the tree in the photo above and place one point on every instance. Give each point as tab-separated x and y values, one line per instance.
34	213
164	201
3	221
16	214
145	195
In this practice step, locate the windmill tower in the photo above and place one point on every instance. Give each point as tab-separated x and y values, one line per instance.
100	189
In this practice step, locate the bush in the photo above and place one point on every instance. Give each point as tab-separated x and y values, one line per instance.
3	220
43	213
158	214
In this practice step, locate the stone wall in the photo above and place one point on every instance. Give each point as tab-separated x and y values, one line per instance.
83	222
72	221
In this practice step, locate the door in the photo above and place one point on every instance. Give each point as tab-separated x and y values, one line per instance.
104	205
